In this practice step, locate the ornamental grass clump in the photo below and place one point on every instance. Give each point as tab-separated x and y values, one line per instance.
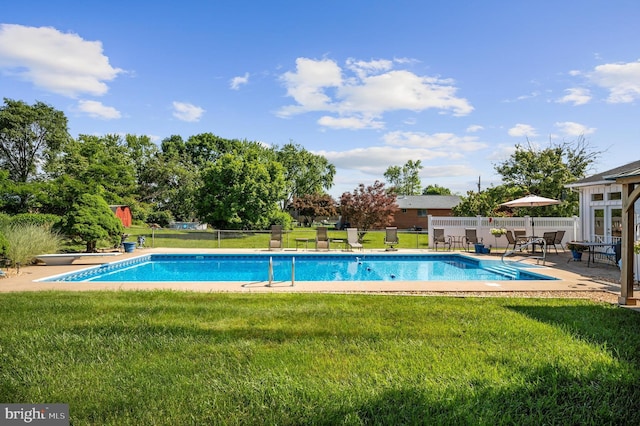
26	241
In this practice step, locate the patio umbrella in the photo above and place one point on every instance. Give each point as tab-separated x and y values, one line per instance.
531	201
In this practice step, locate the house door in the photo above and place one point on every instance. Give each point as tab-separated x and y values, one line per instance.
607	224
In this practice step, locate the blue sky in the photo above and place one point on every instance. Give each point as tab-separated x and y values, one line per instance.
368	84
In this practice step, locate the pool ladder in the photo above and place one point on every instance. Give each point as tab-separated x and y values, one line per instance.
293	271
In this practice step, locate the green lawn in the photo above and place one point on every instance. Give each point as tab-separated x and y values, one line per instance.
260	239
170	358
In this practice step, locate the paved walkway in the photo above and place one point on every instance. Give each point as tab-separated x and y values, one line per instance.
572	277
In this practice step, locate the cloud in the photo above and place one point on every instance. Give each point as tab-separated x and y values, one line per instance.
365	91
621	79
569	128
577	96
187	112
474	128
236	82
520	130
96	109
54	61
352	123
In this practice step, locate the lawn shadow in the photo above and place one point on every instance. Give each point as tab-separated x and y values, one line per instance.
604	325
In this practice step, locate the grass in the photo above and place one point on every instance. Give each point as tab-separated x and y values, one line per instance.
173	238
143	358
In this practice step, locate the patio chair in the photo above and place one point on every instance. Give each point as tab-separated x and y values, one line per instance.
550	239
520	234
322	238
512	240
352	239
391	238
471	237
558	241
439	238
275	242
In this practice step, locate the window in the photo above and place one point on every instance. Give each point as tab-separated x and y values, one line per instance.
422	212
597	197
615	196
404	210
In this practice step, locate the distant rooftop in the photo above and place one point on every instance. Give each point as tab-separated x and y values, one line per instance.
630	169
427	201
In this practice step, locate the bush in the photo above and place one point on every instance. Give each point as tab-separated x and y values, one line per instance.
26	241
35	219
4	244
282	218
161	217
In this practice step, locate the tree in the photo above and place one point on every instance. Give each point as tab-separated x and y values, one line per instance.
312	206
304	172
405	180
29	136
89	220
370	207
486	202
241	191
545	172
436	190
99	163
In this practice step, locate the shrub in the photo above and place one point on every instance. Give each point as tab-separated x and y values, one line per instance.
161	217
26	241
35	219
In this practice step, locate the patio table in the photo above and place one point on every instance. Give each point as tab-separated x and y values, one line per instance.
591	249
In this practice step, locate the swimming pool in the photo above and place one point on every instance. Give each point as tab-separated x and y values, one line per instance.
305	267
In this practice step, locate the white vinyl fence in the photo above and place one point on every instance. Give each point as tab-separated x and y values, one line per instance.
534	226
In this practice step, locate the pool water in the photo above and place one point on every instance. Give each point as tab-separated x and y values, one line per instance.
251	268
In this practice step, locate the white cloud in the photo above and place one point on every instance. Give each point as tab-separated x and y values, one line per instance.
520	130
577	96
96	109
454	145
474	128
365	91
187	112
352	123
54	61
621	79
569	128
236	82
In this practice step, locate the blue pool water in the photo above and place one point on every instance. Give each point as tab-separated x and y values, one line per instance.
251	268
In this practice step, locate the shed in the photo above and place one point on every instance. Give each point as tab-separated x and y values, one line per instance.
413	210
123	213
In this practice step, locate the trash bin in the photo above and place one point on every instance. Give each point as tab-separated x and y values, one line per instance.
129	247
479	248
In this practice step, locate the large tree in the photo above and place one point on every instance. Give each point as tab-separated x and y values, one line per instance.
241	191
546	171
405	180
369	207
29	136
311	206
436	190
305	173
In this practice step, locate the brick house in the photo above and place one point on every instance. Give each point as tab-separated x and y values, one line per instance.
413	210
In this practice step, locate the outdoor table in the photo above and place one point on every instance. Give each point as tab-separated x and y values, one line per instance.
591	249
338	241
457	240
299	241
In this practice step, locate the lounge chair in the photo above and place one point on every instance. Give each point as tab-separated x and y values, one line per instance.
275	242
352	239
550	239
439	238
322	238
471	237
558	241
513	241
520	234
391	238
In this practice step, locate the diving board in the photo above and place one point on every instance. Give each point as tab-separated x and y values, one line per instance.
68	258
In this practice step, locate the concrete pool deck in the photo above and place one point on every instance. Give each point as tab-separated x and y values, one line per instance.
571	277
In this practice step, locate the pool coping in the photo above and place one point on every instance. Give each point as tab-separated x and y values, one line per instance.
565	280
